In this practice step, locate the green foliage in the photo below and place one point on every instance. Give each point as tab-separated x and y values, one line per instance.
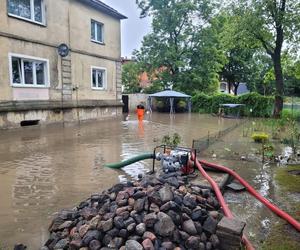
172	140
291	73
256	105
218	99
260	137
290	124
181	106
271	24
153	88
201	101
288	181
160	104
184	45
292	114
275	241
130	77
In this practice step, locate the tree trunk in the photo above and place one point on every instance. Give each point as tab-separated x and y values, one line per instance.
229	86
279	85
236	86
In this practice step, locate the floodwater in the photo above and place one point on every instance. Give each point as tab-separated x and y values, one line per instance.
43	170
228	152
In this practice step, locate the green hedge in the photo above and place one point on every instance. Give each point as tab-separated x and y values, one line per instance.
255	104
262	106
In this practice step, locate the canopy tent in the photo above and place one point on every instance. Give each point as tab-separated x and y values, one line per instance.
171	95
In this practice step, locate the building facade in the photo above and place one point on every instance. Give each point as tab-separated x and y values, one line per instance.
60	61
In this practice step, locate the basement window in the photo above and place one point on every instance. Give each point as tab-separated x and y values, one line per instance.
30	10
27	123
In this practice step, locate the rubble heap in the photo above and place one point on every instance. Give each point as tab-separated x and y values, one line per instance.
164	212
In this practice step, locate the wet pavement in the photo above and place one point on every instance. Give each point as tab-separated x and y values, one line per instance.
43	170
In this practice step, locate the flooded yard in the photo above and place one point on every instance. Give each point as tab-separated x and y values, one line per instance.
43	170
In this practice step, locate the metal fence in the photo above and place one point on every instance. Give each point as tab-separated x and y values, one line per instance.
203	143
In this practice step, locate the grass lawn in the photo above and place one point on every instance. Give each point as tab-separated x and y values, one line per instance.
289	182
282	235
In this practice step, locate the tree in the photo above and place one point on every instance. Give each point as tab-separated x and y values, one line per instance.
273	23
131	77
291	72
174	43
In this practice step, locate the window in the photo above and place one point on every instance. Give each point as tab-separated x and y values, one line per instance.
98	78
97	32
29	71
32	10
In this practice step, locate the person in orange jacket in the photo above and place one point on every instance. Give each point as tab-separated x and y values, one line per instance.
140	111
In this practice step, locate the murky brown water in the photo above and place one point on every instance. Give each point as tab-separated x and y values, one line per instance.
43	170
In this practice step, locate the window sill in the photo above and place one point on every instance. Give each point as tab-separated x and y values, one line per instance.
30	86
100	43
27	20
99	89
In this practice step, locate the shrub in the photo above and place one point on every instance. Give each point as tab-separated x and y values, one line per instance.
201	101
260	137
181	104
289	114
160	105
221	99
257	105
172	141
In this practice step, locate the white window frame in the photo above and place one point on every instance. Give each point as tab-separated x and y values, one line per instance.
31	58
104	78
102	30
31	13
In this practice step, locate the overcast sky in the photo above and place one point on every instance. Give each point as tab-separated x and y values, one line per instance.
133	28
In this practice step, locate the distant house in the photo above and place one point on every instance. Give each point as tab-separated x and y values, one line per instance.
60	61
242	88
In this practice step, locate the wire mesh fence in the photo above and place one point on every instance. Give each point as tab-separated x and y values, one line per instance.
203	143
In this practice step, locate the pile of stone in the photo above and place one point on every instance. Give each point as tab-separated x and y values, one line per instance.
164	212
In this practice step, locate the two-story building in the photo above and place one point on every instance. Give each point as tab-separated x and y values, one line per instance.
60	61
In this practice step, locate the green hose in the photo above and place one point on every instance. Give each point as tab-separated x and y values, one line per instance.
130	161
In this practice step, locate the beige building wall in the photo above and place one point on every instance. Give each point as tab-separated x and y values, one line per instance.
69	22
80	31
81	72
10	45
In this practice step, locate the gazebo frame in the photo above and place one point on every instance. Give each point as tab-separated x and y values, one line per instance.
171	95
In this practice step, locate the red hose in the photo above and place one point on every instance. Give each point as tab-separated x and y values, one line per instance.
252	191
220	198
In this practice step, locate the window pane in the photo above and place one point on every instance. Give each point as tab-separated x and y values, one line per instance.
16	70
100	78
99	32
40	73
20	8
13	7
38	14
28	74
94	79
93	36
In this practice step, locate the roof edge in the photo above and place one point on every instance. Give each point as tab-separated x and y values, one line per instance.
104	8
